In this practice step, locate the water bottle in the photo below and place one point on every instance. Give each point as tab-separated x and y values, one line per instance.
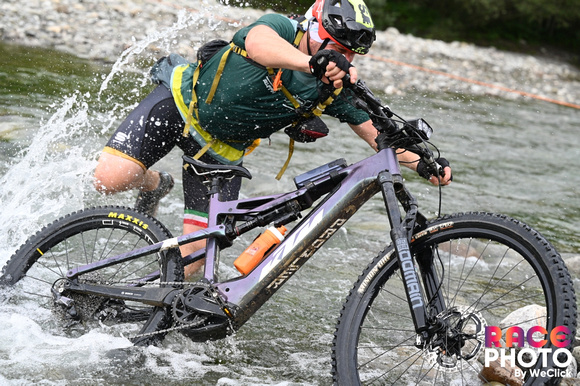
256	252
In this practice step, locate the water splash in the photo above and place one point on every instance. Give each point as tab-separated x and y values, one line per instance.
53	175
49	176
164	39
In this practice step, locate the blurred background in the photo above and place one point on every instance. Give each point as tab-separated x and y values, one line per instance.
522	25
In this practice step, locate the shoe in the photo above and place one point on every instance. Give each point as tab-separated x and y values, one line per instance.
148	202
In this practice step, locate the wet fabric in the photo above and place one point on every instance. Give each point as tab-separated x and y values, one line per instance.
245	106
151	131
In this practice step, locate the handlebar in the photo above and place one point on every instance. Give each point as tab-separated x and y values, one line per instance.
412	135
367	101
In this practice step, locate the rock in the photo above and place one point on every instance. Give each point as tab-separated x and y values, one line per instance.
504	375
397	64
534	315
570	382
572	262
576	354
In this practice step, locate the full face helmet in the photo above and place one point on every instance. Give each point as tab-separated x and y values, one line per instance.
346	22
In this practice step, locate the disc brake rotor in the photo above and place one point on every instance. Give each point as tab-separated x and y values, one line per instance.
461	341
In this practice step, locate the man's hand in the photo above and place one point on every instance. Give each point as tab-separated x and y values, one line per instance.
444	179
330	65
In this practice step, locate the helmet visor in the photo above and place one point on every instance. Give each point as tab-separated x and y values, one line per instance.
355	37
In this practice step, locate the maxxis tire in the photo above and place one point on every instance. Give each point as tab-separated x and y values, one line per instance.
141	227
381	275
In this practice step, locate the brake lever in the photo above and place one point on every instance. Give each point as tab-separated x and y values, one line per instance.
433	167
364	92
440	170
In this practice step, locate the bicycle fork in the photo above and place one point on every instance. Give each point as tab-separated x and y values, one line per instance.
401	231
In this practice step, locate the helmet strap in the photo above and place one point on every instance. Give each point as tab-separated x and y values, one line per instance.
308	40
324	44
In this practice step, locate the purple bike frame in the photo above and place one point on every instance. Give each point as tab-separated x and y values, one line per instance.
252	291
246	294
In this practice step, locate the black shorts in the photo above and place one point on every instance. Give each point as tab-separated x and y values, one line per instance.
151	131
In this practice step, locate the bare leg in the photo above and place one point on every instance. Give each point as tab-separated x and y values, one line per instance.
117	174
187	249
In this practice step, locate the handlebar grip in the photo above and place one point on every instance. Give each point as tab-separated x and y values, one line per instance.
440	170
346	81
428	166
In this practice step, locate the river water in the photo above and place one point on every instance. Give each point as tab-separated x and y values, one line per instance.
518	157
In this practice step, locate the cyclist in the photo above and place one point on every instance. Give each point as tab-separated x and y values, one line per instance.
270	77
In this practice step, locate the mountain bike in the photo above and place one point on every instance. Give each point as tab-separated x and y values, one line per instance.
416	315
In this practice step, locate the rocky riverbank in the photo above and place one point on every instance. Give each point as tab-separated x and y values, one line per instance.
103	29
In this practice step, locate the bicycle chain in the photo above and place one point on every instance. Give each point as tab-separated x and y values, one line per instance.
167	330
168	283
183	326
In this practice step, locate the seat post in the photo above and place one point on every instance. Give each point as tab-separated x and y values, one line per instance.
212	248
215	185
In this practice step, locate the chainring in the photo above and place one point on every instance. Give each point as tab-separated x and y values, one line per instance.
182	316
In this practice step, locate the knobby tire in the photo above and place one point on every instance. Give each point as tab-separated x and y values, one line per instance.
85	237
489	265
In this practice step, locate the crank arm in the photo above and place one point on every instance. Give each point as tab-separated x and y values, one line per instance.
159	297
204	306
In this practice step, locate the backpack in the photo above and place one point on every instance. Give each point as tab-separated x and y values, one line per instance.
161	71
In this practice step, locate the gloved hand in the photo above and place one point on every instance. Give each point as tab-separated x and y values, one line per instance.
320	60
423	169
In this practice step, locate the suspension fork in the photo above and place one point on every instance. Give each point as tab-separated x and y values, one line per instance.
425	259
401	232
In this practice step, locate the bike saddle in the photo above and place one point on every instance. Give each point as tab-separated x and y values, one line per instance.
212	170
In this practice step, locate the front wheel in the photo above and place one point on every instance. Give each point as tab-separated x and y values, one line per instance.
485	268
36	271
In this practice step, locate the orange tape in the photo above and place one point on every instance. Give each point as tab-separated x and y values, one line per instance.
467	80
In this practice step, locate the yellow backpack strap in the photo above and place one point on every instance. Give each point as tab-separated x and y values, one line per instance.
189	121
220	70
298	37
285	166
213	89
204	149
319	109
291	144
290	97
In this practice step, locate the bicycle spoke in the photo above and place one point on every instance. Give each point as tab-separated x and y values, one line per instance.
485	272
82	238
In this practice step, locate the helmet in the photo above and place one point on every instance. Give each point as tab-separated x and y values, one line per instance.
346	22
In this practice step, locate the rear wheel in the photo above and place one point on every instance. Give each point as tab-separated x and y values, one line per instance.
488	266
37	270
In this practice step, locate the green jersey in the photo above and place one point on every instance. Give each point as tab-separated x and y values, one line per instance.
245	106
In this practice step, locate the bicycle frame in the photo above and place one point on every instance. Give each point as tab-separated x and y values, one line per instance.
359	185
246	294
